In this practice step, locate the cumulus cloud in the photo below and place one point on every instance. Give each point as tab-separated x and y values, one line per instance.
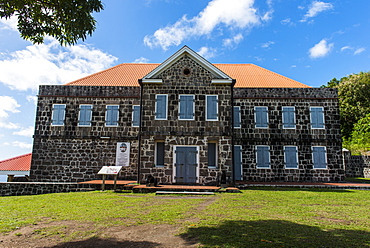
321	49
141	60
232	14
8	105
207	52
27	132
267	44
315	8
10	23
49	63
230	42
21	144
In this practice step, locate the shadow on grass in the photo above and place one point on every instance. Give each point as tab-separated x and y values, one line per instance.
273	233
269	188
105	243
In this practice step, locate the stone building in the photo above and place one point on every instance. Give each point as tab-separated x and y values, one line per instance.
187	121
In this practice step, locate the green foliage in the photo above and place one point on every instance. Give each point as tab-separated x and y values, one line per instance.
65	20
359	142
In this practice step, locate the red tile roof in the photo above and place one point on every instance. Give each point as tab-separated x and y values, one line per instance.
20	163
246	75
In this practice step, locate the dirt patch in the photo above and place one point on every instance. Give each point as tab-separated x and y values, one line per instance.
75	234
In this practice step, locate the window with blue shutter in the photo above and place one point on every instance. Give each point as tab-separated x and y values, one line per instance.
319	157
291	157
263	156
261	117
58	114
212	108
186	107
317	117
238	166
135	115
111	115
288	117
161	107
85	114
159	153
212	155
237	117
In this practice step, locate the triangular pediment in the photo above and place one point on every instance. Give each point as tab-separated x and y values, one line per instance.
218	76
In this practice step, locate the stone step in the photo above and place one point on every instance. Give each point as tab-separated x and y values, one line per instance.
183	193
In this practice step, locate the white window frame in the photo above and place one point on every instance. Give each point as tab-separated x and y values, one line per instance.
294	117
255	117
240	118
326	159
106	113
133	114
52	115
79	115
192	119
296	154
156	107
323	117
269	157
216	119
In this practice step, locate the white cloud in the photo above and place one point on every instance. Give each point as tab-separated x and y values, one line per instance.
287	22
27	132
321	49
267	44
359	50
8	105
315	8
345	48
141	60
236	14
207	53
230	42
49	63
22	144
32	99
10	23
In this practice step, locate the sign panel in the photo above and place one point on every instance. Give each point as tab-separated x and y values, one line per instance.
110	170
123	154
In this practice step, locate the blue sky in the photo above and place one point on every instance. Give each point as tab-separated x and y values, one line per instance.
308	41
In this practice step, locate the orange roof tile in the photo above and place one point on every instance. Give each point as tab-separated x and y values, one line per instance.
246	75
20	163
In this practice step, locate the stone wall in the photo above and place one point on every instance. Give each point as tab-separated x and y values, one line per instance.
71	153
302	136
356	166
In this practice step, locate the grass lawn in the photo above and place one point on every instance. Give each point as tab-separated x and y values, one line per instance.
259	217
357	180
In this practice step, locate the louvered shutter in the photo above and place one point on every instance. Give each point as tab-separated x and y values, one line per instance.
112	115
135	115
237	122
319	157
288	117
58	114
263	157
212	107
290	156
161	107
85	115
238	162
261	117
317	117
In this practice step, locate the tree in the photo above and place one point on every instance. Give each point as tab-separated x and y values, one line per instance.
359	142
65	20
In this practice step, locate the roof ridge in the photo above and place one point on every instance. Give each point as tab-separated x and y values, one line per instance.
20	156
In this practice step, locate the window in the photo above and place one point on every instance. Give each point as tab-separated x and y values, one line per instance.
212	108
186	107
159	153
58	114
291	157
237	117
161	107
212	155
261	117
238	163
288	117
111	115
263	156
135	115
319	157
85	114
317	117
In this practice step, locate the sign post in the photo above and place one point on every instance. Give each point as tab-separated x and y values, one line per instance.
110	170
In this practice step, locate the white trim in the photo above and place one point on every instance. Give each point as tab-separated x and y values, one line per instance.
193	108
52	115
174	162
313	158
155	107
176	56
207	108
79	115
323	115
296	154
152	81
221	81
15	173
105	120
269	157
132	117
282	115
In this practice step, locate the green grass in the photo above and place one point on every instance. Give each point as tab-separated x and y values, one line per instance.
358	180
259	217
